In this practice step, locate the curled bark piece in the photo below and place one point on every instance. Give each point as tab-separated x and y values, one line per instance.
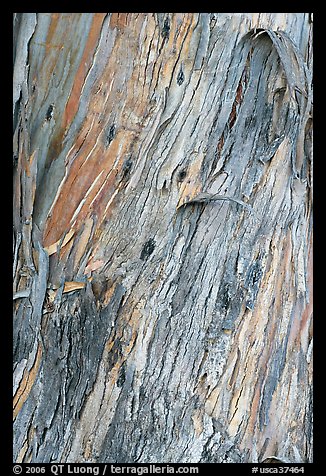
205	197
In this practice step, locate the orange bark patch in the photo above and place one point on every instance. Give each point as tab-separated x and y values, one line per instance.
85	63
254	409
93	265
83	241
309	308
89	186
118	20
26	384
236	103
51	249
193	186
53	25
70	286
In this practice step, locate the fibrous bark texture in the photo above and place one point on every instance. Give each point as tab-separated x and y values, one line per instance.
162	237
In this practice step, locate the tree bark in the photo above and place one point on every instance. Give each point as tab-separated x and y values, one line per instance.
162	237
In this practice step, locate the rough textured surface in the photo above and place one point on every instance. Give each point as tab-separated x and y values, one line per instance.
145	330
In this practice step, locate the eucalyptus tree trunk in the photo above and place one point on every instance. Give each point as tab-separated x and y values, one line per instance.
162	237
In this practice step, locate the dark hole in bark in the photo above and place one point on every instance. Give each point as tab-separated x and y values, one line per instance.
122	377
225	297
180	77
182	175
49	112
115	354
166	28
110	135
148	249
126	167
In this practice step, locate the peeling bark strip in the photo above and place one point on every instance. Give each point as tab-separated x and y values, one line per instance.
155	319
